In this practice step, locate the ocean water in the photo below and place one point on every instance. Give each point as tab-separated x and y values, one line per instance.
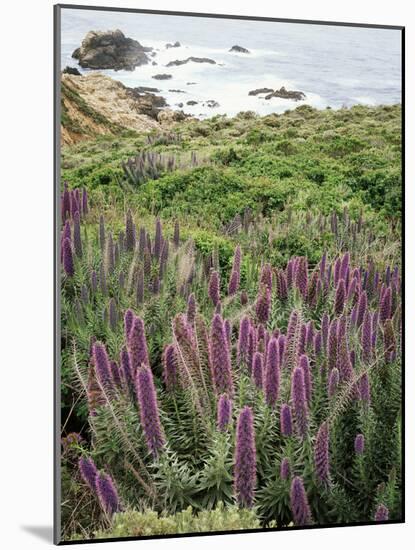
334	66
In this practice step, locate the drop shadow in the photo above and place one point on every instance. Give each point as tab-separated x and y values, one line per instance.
42	532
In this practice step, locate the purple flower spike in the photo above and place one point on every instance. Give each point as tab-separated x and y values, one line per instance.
382	513
191	309
257	369
66	204
214	288
243	341
233	283
333	382
128	323
325	323
102	364
340	297
224	412
263	304
299	399
107	494
219	356
125	366
285	469
266	277
244	298
385	308
170	367
359	444
286	420
321	454
137	345
299	503
317	344
272	373
88	471
149	413
68	264
245	459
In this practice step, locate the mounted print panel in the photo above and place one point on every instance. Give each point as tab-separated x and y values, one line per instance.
228	274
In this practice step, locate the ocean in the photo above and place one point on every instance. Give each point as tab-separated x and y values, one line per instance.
334	66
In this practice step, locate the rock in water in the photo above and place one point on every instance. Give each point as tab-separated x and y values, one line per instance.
261	91
110	50
178	62
239	49
286	94
175	45
71	70
281	93
162	76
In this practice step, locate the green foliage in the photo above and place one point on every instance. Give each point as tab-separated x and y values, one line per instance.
141	524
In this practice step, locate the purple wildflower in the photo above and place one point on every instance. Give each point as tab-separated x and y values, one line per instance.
243	342
325	323
340	297
286	420
66	204
272	373
88	471
125	366
107	494
170	367
102	364
137	345
158	239
385	307
382	513
245	459
219	356
224	413
257	369
244	298
214	288
149	414
68	264
361	308
299	503
233	283
263	304
359	444
317	344
299	399
128	323
333	382
321	453
332	345
285	469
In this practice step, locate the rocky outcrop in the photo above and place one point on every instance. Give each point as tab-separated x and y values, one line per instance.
192	102
179	62
71	70
110	50
167	117
261	91
174	45
95	104
286	94
162	76
281	93
212	104
239	49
